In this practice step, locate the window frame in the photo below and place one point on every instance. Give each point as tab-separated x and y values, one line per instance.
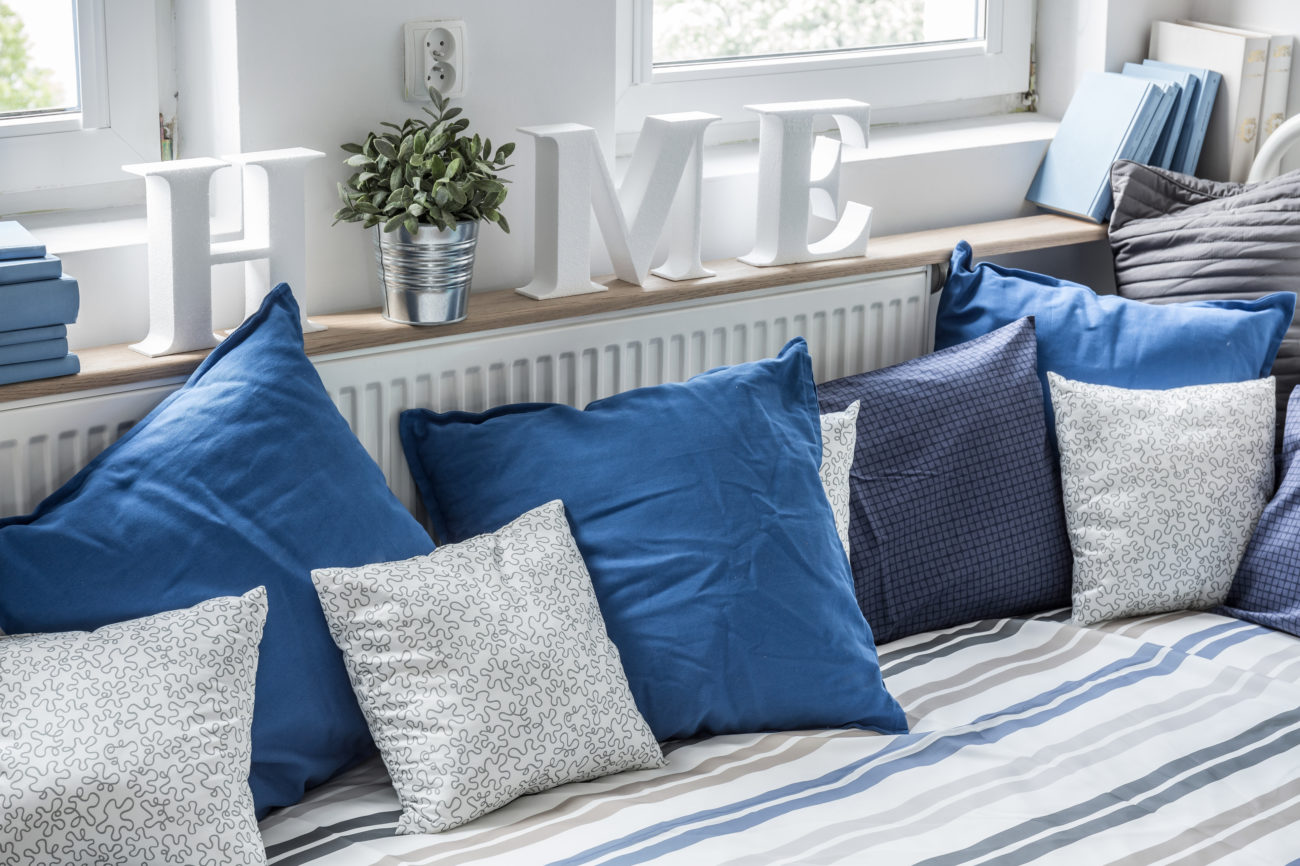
79	156
887	78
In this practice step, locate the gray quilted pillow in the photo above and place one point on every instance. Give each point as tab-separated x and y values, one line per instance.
1179	238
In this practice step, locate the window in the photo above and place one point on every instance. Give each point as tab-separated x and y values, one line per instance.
719	55
38	52
703	31
78	101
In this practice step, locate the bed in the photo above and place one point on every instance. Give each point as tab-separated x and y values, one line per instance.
1161	739
1168	738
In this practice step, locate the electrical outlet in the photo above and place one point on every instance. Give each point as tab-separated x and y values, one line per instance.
435	57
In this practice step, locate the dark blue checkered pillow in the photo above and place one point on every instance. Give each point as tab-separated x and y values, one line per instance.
1266	589
956	506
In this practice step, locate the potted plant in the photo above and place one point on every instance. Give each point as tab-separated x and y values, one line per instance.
423	187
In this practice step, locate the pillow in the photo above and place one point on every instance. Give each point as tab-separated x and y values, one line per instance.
130	744
1162	491
956	507
1179	238
1266	589
485	671
698	509
839	435
245	476
1108	340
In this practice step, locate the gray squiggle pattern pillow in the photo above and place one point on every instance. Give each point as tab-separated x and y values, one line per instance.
839	436
1162	491
484	671
131	743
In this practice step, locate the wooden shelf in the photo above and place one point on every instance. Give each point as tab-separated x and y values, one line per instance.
112	366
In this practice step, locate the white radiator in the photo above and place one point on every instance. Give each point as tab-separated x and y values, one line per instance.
851	325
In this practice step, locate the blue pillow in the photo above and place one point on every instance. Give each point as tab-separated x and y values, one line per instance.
1266	589
1109	340
246	476
955	506
698	509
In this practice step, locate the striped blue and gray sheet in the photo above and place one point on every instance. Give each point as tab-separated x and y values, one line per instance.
1165	739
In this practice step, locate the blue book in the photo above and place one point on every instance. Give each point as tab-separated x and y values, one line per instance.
26	270
18	243
26	372
1109	118
34	304
1188	88
31	335
1144	150
39	350
1188	152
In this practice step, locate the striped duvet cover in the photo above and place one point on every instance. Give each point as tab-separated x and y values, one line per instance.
1172	739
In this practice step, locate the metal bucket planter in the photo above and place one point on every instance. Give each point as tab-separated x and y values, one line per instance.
425	276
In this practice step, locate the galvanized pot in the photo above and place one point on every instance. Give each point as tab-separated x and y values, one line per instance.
425	276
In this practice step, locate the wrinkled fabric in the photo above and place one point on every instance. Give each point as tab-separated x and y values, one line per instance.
711	545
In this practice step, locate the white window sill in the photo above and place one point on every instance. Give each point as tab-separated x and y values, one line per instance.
69	232
902	141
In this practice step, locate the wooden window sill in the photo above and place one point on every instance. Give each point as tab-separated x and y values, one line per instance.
115	366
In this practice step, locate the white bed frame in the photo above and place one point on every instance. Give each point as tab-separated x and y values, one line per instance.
851	325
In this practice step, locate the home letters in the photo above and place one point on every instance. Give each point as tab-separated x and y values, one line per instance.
798	177
181	253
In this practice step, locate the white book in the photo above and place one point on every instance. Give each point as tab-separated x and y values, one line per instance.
1240	56
1277	87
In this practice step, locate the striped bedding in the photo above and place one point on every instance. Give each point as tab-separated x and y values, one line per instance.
1172	739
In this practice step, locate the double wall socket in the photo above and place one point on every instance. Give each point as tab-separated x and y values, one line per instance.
435	57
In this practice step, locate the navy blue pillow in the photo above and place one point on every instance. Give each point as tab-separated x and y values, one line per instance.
955	507
1266	589
247	476
1109	340
698	509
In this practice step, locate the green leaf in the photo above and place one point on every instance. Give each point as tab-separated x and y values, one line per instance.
358	160
504	151
385	148
395	179
415	210
393	223
452	169
501	221
452	112
412	224
351	148
390	125
407	146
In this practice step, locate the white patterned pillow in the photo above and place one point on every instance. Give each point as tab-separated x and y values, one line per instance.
839	437
484	671
1162	491
131	743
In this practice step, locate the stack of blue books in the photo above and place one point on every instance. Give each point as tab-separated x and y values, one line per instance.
1111	117
37	303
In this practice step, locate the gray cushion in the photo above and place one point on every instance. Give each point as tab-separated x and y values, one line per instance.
1179	238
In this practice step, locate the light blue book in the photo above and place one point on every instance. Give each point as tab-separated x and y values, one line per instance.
1188	152
65	366
31	335
34	304
39	350
18	243
1109	118
26	270
1188	87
